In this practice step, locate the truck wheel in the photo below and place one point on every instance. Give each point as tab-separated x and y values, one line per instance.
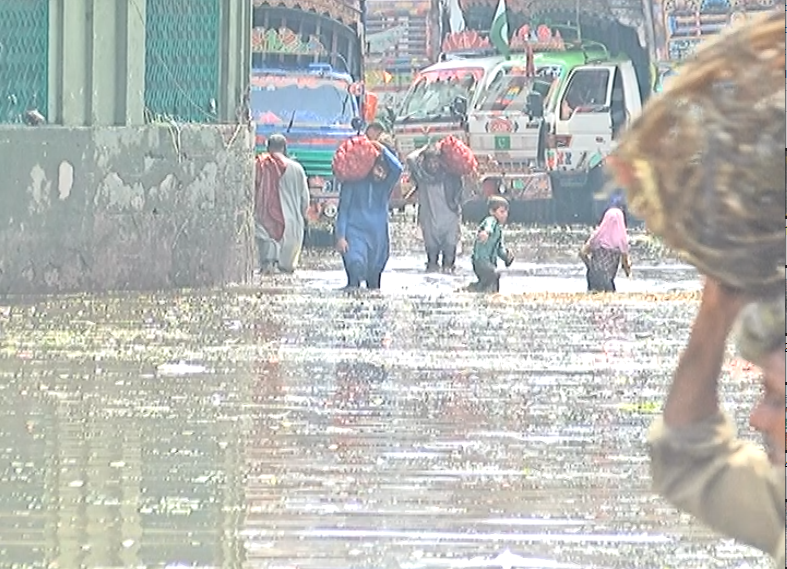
318	238
597	178
541	151
474	211
573	203
531	212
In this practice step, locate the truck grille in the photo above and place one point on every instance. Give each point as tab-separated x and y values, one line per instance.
315	165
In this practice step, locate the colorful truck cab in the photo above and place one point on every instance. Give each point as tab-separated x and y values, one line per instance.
315	110
429	111
306	83
506	126
592	108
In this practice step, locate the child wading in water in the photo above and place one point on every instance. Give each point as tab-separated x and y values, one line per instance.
489	247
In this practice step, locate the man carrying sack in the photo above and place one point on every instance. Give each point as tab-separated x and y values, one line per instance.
702	166
697	462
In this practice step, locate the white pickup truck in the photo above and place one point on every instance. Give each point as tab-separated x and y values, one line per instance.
593	106
542	128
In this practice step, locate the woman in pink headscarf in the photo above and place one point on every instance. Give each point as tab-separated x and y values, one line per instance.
605	251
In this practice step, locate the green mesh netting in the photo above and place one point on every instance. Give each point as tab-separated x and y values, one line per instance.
24	58
182	59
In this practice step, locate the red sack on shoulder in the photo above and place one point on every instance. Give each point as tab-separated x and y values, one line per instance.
457	156
354	159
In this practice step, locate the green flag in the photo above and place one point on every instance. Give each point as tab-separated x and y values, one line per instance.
499	32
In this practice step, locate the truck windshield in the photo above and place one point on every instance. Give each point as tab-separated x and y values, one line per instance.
313	100
434	91
509	89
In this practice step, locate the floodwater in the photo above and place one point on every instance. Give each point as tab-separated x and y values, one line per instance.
289	425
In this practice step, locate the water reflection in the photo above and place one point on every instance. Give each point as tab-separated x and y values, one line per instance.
380	430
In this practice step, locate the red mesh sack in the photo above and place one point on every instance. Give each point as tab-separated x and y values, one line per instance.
457	156
354	159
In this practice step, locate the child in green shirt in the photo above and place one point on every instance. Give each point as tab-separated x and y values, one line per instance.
489	247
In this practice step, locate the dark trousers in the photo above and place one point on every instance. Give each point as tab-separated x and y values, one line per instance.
448	257
488	277
355	278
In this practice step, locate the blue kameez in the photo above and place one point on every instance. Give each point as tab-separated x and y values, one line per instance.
362	220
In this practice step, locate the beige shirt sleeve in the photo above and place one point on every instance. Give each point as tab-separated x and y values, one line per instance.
728	484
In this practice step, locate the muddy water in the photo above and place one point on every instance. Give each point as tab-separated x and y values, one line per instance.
288	425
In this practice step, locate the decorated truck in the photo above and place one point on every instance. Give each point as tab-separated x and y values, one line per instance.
575	102
506	126
436	103
547	128
502	107
307	61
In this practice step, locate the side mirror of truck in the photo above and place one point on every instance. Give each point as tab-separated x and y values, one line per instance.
535	105
459	106
356	124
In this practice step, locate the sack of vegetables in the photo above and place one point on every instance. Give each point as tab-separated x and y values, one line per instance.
354	159
457	156
702	165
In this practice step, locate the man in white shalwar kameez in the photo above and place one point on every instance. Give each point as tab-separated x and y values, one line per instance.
281	201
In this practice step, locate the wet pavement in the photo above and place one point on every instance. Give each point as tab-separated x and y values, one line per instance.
289	425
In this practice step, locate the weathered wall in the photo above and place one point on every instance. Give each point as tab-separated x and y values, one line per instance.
134	208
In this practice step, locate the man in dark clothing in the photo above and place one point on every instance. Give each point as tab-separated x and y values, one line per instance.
439	206
489	247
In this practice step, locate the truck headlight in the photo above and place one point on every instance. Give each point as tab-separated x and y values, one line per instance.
329	210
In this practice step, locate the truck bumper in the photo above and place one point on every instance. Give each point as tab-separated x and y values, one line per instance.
529	196
577	196
321	215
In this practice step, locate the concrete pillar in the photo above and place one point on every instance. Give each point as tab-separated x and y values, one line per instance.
97	62
235	42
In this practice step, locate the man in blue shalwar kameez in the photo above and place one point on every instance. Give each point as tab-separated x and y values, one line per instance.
362	221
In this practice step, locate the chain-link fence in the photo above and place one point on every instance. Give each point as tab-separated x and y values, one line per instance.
182	59
24	58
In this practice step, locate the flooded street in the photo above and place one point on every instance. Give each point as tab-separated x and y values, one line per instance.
288	425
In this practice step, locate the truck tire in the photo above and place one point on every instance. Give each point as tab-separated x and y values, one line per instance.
572	204
318	238
474	211
532	212
541	150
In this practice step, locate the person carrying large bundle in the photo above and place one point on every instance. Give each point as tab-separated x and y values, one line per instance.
703	168
368	172
439	187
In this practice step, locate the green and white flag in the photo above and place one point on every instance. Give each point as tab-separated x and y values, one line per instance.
499	32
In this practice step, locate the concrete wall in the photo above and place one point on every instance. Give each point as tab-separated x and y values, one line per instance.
142	208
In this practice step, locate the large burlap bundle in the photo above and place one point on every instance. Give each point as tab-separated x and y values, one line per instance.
703	164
